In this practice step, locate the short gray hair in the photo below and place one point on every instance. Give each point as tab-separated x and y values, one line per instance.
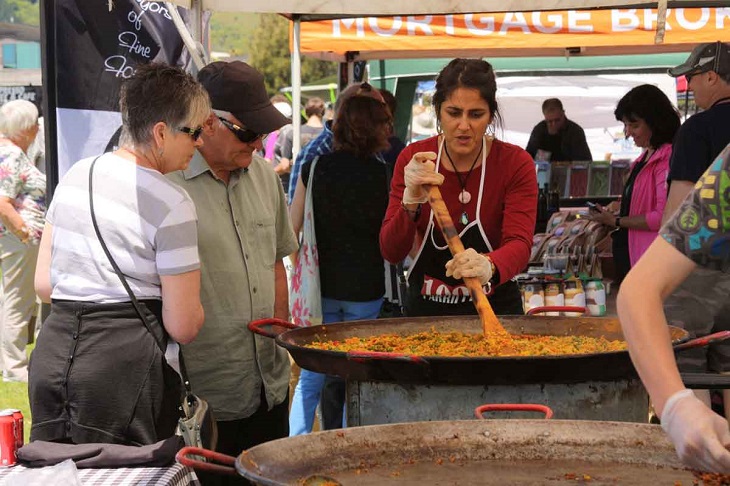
16	117
159	93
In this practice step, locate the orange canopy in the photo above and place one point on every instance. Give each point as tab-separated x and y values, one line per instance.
592	32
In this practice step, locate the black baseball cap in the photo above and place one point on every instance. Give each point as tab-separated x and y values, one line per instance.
713	56
239	89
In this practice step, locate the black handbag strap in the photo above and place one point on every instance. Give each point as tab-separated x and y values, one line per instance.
122	278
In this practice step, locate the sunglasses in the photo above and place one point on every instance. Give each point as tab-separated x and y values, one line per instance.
193	132
691	75
243	134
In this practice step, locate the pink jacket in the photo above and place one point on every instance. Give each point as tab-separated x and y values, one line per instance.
649	198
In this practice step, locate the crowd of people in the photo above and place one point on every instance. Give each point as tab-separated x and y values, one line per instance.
191	220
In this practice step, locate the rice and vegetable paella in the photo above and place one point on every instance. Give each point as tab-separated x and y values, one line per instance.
459	344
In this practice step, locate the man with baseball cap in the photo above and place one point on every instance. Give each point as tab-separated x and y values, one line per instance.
694	304
703	136
243	233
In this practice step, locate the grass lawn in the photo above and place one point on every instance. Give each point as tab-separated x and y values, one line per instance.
15	395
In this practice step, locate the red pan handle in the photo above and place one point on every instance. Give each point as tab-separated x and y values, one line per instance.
363	356
259	326
703	341
555	308
513	407
185	457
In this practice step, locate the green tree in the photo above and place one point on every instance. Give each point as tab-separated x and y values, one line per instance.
20	12
231	32
269	53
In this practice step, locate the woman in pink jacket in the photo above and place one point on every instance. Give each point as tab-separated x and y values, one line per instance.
651	120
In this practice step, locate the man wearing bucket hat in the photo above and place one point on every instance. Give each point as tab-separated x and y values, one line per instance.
693	305
243	234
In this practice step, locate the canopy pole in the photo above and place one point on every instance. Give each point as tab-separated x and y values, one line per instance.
661	22
197	53
296	80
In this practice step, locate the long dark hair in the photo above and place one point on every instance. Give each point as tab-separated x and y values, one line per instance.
362	125
468	73
649	103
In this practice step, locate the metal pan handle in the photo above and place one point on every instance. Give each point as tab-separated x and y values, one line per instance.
187	457
513	407
267	327
364	356
703	341
556	308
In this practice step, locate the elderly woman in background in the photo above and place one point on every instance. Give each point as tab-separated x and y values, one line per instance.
22	209
97	373
651	120
490	189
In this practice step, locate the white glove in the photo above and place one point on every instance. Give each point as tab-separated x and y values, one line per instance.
419	171
469	263
700	436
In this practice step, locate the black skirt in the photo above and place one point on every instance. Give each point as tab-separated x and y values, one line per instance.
98	375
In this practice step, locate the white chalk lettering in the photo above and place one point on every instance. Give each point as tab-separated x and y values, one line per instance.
118	66
129	41
136	19
154	7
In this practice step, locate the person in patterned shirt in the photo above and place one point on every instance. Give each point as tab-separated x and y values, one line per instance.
22	209
697	236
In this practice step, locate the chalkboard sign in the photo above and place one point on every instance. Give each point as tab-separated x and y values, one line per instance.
90	48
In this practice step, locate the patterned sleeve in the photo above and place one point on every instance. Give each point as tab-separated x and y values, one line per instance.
11	182
177	240
700	229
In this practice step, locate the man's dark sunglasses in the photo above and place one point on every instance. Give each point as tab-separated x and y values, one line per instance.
243	134
193	132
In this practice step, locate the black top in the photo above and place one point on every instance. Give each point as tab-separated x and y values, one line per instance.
699	140
391	155
350	196
567	145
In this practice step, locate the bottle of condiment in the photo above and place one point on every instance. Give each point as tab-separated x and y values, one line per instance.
542	204
554	199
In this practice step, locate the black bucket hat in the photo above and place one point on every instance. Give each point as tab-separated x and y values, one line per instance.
239	89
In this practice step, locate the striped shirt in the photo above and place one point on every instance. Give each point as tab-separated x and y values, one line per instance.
147	222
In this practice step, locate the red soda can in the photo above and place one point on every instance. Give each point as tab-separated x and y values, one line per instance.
18	416
8	438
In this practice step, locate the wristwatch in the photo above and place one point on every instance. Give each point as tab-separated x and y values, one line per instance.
617	222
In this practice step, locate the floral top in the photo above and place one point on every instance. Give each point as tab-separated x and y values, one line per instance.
22	182
700	228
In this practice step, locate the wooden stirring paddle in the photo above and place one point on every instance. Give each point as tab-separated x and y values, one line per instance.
490	323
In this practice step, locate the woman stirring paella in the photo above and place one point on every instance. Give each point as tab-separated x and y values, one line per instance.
490	189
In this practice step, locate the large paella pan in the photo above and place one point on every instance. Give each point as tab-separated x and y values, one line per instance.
363	366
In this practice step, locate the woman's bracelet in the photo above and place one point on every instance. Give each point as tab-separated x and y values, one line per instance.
413	213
